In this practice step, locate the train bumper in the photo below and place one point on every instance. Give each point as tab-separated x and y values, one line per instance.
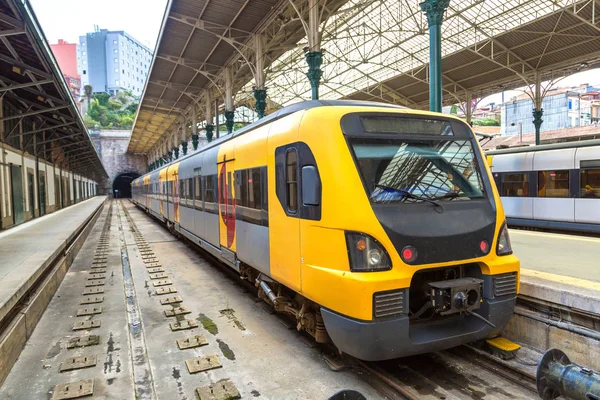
394	337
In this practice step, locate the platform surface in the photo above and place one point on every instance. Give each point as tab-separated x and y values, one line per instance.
26	249
138	355
566	255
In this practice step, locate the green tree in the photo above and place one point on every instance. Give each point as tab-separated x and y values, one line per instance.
107	111
486	122
114	105
102	98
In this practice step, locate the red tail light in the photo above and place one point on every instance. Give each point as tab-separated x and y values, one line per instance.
408	254
484	246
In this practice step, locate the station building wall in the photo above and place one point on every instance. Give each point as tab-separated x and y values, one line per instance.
36	175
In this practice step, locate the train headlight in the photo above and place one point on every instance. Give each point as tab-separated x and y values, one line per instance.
504	248
366	254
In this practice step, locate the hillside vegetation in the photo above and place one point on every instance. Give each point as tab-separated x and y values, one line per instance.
111	112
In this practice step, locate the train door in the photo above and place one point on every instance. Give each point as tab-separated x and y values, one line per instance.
173	176
17	193
226	176
284	222
162	188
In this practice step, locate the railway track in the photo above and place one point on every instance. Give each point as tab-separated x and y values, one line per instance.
462	373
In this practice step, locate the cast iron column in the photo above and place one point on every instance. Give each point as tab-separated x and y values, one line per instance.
209	132
261	102
538	111
314	60
434	9
229	120
537	122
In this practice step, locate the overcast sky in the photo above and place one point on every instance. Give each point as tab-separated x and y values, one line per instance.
69	19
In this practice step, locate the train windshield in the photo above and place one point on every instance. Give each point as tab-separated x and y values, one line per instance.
410	171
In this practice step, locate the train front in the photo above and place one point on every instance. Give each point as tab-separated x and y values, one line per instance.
430	259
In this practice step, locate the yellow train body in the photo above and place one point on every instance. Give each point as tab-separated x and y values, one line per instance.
310	255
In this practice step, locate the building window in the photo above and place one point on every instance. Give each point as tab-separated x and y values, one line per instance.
291	182
515	185
116	60
116	83
115	51
117	70
114	42
590	183
84	72
83	53
553	184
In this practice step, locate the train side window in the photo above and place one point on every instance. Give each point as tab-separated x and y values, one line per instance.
291	180
242	189
198	191
553	183
590	183
182	189
254	188
515	185
209	192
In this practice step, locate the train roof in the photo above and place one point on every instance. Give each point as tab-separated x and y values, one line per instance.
303	105
545	147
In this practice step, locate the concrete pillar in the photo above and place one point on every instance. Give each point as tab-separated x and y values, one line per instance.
229	111
209	117
260	93
434	9
538	111
314	56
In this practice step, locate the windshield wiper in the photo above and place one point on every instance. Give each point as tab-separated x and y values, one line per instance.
438	207
448	196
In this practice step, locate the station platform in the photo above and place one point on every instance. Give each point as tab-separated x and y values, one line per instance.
155	320
27	250
559	268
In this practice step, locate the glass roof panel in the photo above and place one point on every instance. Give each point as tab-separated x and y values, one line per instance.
369	41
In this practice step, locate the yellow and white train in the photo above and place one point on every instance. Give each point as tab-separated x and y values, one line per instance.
378	227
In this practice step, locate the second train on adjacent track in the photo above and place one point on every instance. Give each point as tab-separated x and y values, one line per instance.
377	227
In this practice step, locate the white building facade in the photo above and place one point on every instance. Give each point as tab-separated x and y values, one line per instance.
113	61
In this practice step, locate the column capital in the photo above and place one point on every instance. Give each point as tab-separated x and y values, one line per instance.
434	9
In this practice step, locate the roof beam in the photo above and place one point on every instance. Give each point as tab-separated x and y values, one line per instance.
24	85
30	113
11	21
11	32
23	65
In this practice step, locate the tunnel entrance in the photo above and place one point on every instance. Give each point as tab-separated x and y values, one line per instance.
121	187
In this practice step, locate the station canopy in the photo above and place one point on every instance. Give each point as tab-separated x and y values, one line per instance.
373	50
39	114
